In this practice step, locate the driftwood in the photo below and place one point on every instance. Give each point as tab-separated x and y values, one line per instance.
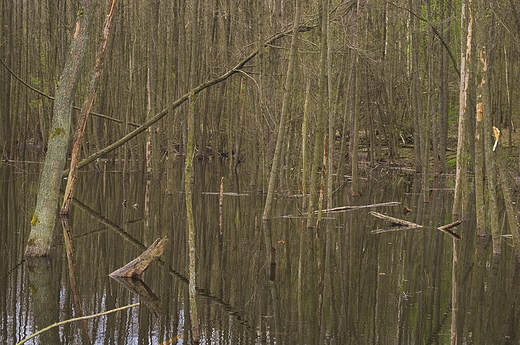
348	208
396	221
445	228
400	228
137	266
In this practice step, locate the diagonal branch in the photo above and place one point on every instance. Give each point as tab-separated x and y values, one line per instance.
184	98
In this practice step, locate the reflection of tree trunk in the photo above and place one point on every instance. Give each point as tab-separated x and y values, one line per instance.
67	235
454	294
145	293
43	221
44	299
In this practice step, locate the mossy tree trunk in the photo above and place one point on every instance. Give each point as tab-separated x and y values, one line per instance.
44	217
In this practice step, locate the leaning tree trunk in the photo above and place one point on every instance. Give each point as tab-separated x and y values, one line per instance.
44	217
85	111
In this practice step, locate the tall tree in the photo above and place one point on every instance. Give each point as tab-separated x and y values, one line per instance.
44	218
283	115
461	182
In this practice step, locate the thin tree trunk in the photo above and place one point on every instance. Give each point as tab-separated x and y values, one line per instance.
189	178
44	218
416	107
461	179
283	116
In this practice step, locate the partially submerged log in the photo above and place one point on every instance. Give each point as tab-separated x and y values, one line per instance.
445	228
399	228
348	208
137	266
396	221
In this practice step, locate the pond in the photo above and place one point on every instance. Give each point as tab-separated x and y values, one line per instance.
343	284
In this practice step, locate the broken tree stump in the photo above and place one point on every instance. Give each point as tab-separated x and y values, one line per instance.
137	266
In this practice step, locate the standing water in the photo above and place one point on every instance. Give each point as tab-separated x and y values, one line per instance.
344	283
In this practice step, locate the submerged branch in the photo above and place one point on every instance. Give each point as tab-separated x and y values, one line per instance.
396	221
348	208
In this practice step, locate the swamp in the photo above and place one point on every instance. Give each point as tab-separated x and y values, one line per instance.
259	172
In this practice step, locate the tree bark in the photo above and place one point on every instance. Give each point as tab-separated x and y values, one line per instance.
44	218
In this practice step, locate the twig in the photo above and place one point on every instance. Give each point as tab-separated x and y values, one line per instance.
75	319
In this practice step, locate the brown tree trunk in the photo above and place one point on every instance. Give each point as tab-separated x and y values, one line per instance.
85	111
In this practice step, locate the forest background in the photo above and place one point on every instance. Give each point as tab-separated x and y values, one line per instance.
367	79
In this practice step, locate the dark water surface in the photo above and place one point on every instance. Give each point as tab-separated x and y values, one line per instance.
417	286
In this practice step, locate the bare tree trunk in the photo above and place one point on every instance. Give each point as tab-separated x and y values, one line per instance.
483	23
44	218
283	116
461	179
189	178
416	107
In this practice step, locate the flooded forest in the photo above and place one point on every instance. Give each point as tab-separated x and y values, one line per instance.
259	172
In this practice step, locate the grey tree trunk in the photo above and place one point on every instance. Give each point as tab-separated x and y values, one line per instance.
44	217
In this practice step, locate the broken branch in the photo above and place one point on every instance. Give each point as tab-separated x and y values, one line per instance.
137	266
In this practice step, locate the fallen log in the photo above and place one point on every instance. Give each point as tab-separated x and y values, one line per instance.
445	228
137	266
396	221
